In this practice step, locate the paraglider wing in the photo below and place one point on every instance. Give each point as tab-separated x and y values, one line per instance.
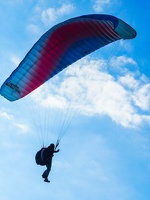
61	46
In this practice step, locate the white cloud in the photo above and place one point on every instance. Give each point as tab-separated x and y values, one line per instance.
99	5
126	45
121	61
56	101
141	97
6	115
33	28
129	81
12	121
15	60
140	90
51	14
22	127
92	90
65	9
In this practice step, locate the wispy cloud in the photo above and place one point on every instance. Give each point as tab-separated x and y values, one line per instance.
13	122
22	127
51	14
15	60
121	61
33	28
6	115
93	90
99	5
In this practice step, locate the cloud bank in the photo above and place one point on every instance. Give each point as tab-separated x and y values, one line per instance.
91	89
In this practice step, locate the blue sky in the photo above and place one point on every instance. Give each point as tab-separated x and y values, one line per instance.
106	152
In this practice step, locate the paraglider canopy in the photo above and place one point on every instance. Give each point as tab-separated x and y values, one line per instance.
61	46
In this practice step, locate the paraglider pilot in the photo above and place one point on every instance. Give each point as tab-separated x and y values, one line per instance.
44	158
